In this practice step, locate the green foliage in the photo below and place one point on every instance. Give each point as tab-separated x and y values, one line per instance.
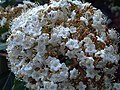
8	2
9	82
18	85
3	46
3	29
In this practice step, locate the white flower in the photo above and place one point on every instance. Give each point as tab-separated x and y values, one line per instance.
100	64
109	55
99	53
41	49
84	20
55	39
111	58
64	67
72	29
81	56
73	14
97	17
38	60
109	49
18	37
3	21
66	86
28	42
76	2
72	44
54	4
110	71
70	54
89	63
108	84
85	4
116	86
90	48
43	73
73	74
100	39
90	73
103	36
36	75
62	48
63	3
87	40
32	30
81	86
113	34
49	85
28	67
43	39
52	15
55	65
60	76
64	32
28	2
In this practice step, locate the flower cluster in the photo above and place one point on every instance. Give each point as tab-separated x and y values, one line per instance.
64	45
10	12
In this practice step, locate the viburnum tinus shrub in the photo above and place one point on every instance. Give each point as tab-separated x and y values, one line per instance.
64	45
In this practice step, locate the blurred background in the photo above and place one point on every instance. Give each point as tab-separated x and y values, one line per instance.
111	8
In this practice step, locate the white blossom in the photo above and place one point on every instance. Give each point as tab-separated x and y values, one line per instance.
89	63
81	86
49	85
28	67
54	64
3	21
84	20
73	73
90	73
70	54
81	56
97	17
90	48
113	34
73	14
55	39
72	43
100	39
116	86
72	29
64	32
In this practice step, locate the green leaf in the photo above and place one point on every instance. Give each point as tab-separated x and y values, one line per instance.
68	62
9	82
18	85
3	29
3	46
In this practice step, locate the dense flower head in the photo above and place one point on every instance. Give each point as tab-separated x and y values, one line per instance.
63	45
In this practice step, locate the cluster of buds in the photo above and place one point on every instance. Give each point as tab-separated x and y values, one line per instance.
64	45
10	12
7	14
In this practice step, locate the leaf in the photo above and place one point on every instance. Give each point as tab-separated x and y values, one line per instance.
9	82
4	29
68	62
8	2
3	46
18	85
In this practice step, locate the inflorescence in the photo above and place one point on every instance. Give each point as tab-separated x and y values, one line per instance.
64	45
